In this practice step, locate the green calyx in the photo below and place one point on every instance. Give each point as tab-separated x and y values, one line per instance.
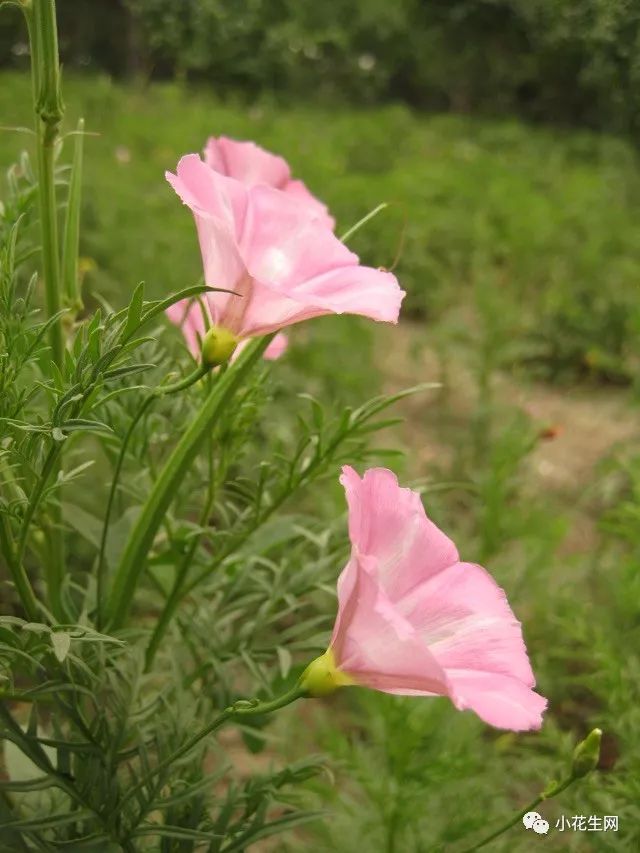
322	677
218	346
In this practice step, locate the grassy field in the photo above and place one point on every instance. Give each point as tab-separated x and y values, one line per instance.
536	226
520	251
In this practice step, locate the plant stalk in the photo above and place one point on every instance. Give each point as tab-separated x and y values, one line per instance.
161	391
240	709
48	107
18	574
552	791
165	487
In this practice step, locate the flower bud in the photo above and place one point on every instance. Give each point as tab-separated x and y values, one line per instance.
586	754
322	677
218	346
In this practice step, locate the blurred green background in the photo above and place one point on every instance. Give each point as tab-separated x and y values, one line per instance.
502	135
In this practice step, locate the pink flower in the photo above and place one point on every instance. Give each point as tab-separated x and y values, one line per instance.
414	620
252	165
282	262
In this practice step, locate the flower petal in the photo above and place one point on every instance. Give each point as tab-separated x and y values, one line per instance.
465	618
498	700
374	644
253	165
210	194
276	348
246	162
188	316
301	270
219	206
389	523
299	190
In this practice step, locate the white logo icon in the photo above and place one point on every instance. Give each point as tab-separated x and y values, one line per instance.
534	821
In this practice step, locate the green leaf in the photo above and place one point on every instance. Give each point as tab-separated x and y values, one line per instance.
134	313
166	831
284	659
281	824
78	424
61	642
127	370
187	293
50	822
96	844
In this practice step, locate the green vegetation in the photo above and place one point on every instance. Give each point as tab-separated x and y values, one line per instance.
520	252
542	222
568	61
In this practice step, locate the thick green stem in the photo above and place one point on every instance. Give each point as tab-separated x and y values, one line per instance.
70	282
164	489
48	108
49	235
180	589
174	596
161	391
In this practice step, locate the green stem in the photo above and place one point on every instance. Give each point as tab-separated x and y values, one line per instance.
164	489
70	282
49	234
18	574
48	108
240	709
178	591
552	791
161	391
43	38
174	596
100	579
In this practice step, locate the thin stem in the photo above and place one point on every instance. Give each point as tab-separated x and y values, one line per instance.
18	574
240	709
552	791
100	585
161	391
54	565
178	592
168	481
50	464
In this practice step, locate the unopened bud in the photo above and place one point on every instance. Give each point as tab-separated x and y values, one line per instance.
586	754
218	346
322	677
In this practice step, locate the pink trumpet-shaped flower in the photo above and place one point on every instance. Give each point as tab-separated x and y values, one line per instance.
252	165
282	262
414	620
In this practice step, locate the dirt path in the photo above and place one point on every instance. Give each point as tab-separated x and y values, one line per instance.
583	424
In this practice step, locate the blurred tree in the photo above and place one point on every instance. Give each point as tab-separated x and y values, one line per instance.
569	61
